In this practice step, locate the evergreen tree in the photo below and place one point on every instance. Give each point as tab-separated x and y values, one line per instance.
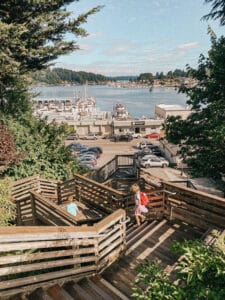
217	11
32	35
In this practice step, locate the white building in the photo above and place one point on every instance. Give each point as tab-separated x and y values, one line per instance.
162	111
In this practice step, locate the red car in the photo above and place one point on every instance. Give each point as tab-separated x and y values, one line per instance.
153	135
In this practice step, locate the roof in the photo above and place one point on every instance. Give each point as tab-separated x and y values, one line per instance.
172	107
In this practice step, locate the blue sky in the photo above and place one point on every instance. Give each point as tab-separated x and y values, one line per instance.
129	37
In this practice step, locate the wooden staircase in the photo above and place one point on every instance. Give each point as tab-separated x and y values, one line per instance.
95	287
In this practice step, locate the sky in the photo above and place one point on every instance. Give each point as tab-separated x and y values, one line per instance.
129	37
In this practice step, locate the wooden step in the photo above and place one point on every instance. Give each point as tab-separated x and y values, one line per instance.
59	293
102	293
134	230
39	294
147	232
97	280
85	284
113	289
139	232
77	292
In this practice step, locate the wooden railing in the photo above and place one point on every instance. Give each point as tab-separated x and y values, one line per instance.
91	192
119	161
21	188
32	257
194	207
37	208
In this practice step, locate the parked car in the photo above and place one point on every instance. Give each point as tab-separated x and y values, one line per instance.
84	156
123	137
144	144
136	135
148	156
88	166
86	160
154	162
143	152
87	151
153	135
156	151
96	149
72	136
77	147
90	136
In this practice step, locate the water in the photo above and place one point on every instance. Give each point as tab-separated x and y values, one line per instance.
139	102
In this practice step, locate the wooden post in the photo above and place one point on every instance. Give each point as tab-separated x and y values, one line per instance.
59	195
32	198
18	214
97	254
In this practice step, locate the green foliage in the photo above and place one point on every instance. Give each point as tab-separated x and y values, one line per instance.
58	76
153	284
43	146
33	33
202	135
146	78
7	208
200	275
217	11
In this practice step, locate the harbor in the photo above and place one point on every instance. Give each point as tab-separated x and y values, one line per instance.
86	118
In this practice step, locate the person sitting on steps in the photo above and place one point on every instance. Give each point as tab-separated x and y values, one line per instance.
139	208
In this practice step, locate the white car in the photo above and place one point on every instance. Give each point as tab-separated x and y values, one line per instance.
144	144
90	136
136	135
154	162
149	156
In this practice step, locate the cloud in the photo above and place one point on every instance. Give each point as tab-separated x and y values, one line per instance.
119	48
188	46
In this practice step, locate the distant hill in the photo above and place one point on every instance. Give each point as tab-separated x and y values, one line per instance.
60	76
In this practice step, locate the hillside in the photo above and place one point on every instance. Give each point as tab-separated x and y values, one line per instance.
62	76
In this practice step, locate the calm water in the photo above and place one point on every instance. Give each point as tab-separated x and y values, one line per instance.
139	102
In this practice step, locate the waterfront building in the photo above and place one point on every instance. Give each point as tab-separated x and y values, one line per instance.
140	126
162	111
87	118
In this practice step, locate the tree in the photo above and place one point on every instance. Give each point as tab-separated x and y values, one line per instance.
33	33
7	207
146	78
8	151
217	11
202	135
43	149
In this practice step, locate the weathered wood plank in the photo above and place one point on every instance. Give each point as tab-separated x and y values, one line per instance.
45	265
43	277
10	259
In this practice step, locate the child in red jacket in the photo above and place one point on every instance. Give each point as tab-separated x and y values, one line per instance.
139	208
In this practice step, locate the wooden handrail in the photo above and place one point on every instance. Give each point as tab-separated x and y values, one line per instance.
194	207
57	253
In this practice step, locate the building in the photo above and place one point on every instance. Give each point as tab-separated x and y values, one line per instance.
142	126
162	111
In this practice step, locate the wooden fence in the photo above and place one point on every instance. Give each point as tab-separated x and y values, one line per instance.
32	257
37	208
91	192
194	207
21	188
118	162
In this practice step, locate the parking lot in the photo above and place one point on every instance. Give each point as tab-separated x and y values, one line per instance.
110	149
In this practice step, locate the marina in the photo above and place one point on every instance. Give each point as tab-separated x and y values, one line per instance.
107	111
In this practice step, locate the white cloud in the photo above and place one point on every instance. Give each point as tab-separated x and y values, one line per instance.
188	46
